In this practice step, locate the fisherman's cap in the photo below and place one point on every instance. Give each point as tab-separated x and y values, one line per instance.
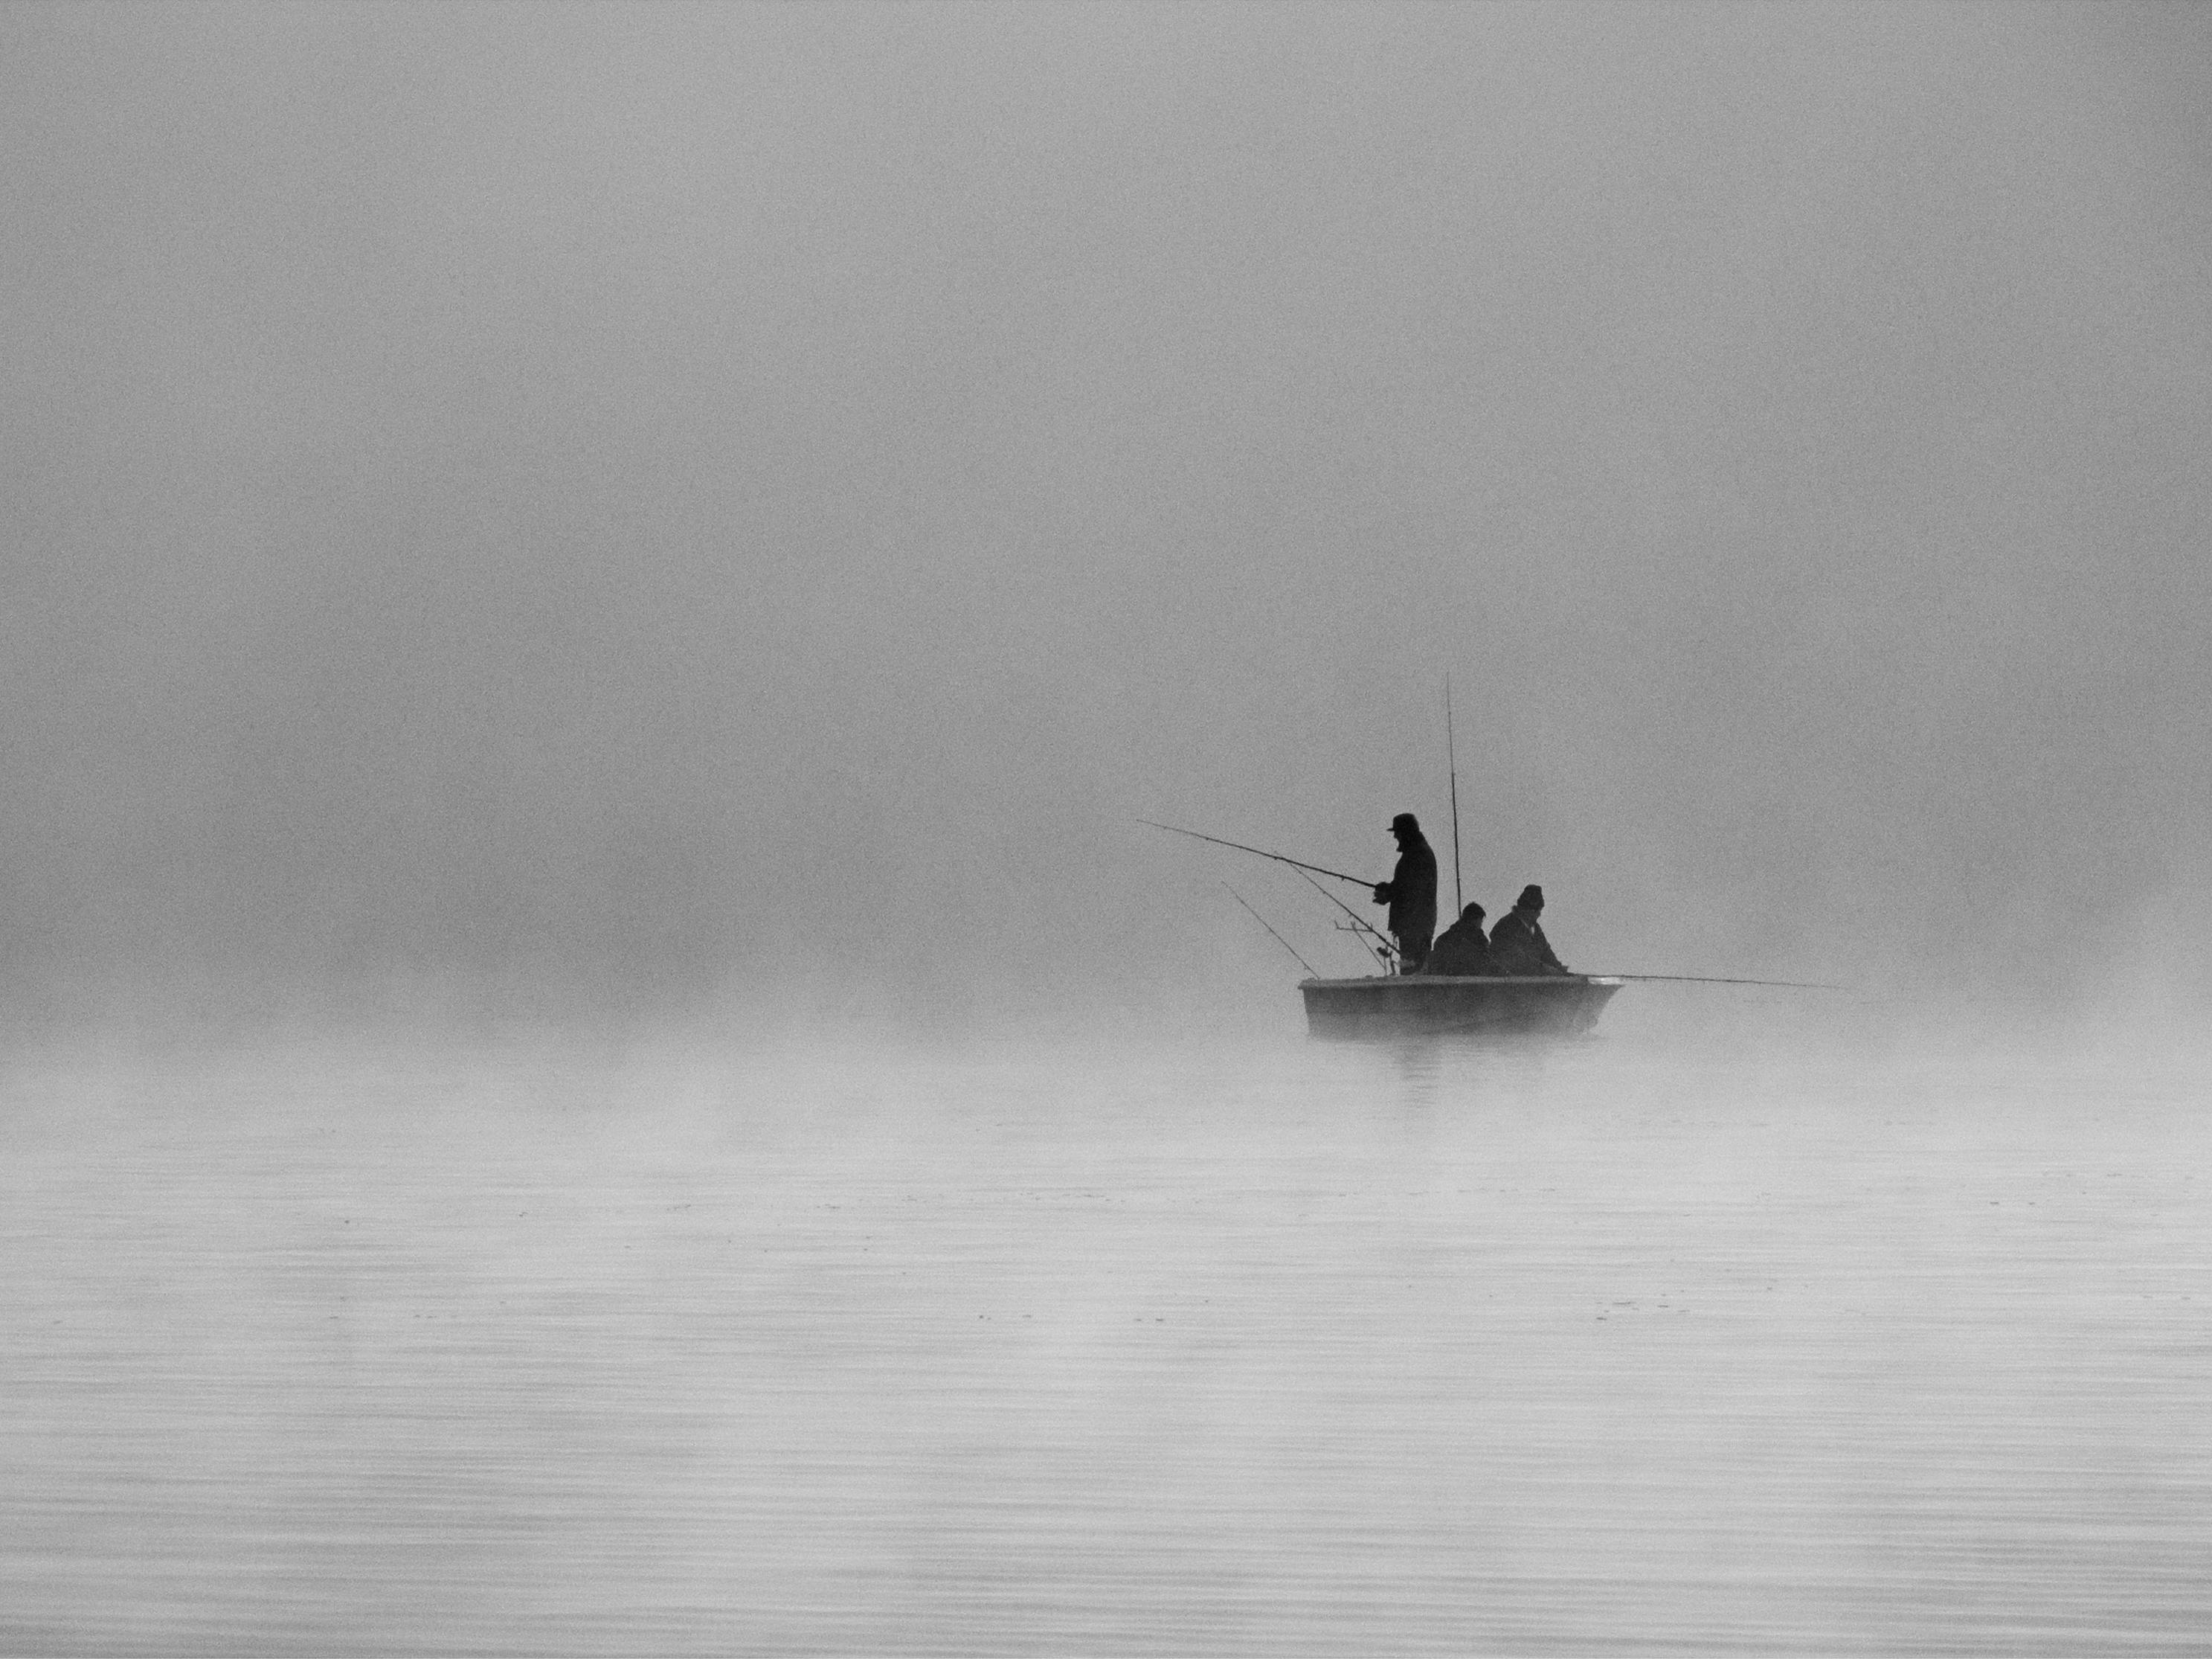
1532	899
1405	821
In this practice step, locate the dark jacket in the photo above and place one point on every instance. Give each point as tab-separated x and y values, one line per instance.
1518	946
1411	892
1460	950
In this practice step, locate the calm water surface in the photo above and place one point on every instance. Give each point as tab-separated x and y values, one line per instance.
1301	1350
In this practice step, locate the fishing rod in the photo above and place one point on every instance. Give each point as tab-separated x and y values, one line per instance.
1704	979
1360	926
1311	970
1451	759
1359	938
1347	927
1296	863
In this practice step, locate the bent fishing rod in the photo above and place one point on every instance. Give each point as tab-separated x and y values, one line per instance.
1296	863
1361	927
1311	970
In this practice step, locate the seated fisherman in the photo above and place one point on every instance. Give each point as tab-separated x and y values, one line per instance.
1518	944
1461	949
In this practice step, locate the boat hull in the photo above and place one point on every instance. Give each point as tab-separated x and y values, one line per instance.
1419	1004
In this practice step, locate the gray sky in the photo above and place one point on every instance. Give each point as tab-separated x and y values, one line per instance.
653	499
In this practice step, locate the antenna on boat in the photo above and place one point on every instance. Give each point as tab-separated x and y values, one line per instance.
1451	759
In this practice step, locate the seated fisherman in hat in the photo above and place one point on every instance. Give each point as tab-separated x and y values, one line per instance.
1518	944
1411	893
1461	949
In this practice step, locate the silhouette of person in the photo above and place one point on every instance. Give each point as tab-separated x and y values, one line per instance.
1461	949
1411	893
1518	944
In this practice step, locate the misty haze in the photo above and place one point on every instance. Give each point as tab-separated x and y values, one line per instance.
600	1058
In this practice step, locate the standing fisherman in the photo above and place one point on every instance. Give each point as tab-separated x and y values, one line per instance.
1411	893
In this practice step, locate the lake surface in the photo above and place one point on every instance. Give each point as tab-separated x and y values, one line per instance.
1610	1348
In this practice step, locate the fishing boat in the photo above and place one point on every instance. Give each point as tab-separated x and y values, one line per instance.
1402	1005
1394	1005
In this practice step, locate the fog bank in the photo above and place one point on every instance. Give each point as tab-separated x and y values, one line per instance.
645	508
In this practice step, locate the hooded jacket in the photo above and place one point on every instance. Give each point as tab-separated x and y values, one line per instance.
1518	946
1461	949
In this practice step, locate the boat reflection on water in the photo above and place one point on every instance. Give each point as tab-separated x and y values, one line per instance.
1416	1004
